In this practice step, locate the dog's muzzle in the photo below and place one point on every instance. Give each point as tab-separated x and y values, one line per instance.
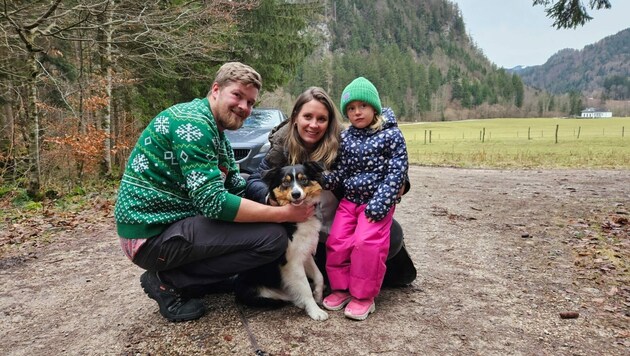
297	196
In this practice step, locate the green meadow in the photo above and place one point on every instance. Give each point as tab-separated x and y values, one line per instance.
521	143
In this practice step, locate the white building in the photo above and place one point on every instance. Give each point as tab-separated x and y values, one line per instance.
595	112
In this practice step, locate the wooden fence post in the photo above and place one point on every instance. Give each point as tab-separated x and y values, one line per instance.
557	132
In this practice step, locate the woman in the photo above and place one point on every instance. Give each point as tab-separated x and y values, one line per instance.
312	133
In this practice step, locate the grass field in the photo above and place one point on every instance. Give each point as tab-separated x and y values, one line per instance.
521	143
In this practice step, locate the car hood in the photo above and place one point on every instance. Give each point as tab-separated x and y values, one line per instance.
247	135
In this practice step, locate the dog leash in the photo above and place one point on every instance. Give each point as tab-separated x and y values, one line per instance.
250	334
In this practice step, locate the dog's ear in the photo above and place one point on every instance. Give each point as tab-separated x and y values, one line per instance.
269	176
314	170
313	167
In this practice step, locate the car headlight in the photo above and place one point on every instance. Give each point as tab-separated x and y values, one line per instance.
265	148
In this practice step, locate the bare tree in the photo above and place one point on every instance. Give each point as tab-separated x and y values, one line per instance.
27	26
108	72
130	37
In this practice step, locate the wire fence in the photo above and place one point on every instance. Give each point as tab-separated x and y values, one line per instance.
484	134
520	143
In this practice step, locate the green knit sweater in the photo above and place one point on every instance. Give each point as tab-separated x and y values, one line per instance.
181	166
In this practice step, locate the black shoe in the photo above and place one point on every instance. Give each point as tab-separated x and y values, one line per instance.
172	305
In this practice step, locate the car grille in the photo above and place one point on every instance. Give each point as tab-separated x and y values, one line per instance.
240	153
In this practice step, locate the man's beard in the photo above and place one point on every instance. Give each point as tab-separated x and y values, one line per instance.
230	121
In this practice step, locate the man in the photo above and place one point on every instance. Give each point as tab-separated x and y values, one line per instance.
179	212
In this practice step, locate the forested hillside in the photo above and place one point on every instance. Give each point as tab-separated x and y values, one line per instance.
417	53
599	70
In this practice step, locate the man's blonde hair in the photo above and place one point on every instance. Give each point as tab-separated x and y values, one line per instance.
238	72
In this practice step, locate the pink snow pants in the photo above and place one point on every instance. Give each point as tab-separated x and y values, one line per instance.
356	251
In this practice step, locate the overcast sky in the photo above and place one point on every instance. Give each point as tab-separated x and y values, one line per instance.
513	32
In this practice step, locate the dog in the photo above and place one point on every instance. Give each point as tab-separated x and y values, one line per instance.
287	278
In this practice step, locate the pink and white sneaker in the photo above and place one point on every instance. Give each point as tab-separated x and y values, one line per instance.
336	300
359	309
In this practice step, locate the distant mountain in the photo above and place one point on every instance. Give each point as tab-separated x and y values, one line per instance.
601	69
517	69
418	55
427	67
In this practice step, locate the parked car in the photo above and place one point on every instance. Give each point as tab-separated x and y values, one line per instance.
251	142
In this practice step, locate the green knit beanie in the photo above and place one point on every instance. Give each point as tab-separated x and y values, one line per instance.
363	90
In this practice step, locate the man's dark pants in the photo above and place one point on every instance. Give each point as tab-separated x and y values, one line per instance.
199	251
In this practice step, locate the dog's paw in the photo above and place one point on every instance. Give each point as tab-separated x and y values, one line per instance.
317	314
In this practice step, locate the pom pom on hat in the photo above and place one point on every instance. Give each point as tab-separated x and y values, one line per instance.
363	90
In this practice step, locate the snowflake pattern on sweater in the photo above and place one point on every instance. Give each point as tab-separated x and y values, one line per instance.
181	166
372	166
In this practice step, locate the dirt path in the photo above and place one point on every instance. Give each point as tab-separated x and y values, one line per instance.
499	255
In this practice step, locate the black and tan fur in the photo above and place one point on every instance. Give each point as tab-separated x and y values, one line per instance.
287	279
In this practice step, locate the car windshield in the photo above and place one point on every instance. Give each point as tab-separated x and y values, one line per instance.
263	119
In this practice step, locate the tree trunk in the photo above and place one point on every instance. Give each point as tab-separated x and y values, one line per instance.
32	123
7	141
107	117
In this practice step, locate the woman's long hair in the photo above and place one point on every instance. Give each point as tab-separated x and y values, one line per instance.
326	149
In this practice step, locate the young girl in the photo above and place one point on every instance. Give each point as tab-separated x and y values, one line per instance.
372	167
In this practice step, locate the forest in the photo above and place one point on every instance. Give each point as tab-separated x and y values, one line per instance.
80	78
